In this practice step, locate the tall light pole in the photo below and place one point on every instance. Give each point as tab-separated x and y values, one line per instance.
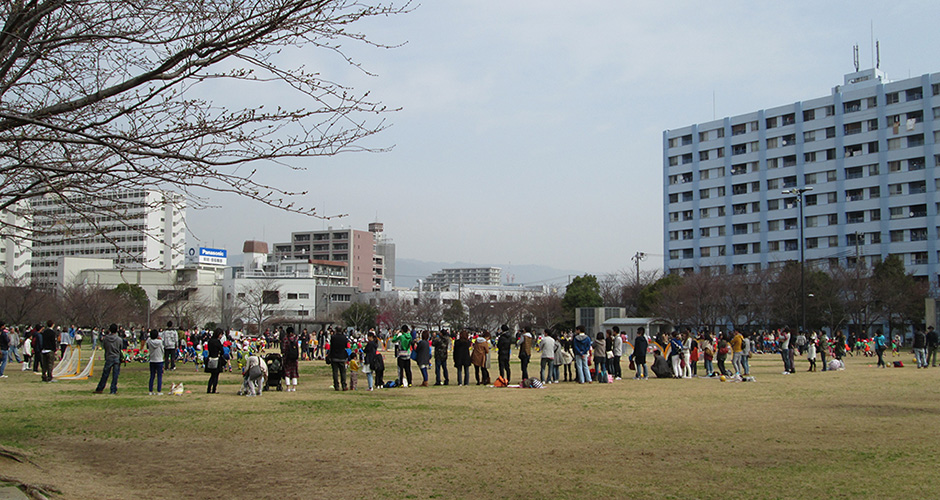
798	192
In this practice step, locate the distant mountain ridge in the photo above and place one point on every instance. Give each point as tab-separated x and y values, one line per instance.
409	271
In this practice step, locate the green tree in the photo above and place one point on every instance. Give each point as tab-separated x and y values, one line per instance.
898	293
360	316
651	295
583	291
455	315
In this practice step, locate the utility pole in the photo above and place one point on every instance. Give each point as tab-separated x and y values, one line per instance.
636	259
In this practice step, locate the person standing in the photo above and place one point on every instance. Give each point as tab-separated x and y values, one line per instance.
920	349
881	344
441	345
480	357
600	358
687	342
338	357
423	356
170	346
155	354
48	342
548	357
4	348
737	352
784	340
370	351
290	351
504	351
617	352
824	349
640	347
558	360
215	362
582	348
811	351
403	353
462	358
112	359
933	341
525	351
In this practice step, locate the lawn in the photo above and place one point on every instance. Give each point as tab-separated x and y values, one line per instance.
861	432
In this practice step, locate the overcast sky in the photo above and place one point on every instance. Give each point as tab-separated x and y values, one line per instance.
531	131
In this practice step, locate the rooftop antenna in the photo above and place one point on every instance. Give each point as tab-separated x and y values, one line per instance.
877	54
855	56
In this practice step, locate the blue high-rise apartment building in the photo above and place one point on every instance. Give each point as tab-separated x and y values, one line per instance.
869	152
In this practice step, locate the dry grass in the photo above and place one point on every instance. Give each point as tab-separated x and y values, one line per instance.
859	433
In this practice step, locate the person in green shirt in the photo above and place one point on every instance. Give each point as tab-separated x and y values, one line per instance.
402	342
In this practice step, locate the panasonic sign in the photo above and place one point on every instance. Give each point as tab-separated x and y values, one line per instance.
210	256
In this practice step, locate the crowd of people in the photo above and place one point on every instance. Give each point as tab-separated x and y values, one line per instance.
563	356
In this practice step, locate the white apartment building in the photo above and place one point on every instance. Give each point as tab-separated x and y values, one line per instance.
16	250
866	156
488	276
141	228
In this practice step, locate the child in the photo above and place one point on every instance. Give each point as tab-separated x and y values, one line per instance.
353	372
378	369
693	358
811	352
708	356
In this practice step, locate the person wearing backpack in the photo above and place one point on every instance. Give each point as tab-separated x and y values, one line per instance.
290	351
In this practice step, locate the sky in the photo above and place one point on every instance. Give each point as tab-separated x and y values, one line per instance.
530	132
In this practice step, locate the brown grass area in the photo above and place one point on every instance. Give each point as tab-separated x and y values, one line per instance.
858	433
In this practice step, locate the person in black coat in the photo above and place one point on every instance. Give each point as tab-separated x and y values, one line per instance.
214	346
504	350
338	357
640	346
462	358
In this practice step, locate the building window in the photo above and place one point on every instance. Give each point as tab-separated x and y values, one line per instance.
874	192
897	236
915	140
809	114
892	98
914	94
772	122
739	129
874	215
852	106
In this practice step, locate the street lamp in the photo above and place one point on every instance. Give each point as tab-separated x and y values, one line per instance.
798	192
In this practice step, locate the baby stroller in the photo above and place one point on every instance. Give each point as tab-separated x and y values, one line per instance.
275	371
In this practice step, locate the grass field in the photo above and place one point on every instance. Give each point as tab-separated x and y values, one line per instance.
860	433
